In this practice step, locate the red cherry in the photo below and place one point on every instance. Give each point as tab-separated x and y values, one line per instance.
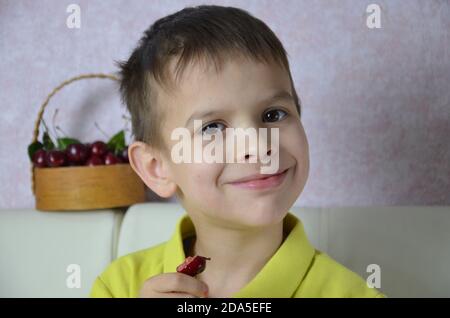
99	148
124	155
193	265
94	161
56	158
77	154
112	159
88	148
39	158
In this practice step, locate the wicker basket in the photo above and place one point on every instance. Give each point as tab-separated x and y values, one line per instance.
84	187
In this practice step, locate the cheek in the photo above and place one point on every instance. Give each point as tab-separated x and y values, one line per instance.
296	146
199	178
294	141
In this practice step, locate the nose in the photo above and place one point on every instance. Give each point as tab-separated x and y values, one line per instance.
255	145
252	155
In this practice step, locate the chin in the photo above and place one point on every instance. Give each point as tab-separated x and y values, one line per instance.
262	216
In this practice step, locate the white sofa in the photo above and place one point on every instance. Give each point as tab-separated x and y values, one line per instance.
410	244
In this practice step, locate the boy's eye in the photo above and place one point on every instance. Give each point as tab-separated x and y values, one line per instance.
212	128
273	115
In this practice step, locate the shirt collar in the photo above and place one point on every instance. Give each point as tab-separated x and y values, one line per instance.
279	278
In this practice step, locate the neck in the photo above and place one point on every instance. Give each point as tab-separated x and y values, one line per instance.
237	255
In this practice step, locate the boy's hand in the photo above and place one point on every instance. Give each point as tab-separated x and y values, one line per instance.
173	285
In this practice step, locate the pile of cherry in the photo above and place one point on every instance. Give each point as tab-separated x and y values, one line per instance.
72	152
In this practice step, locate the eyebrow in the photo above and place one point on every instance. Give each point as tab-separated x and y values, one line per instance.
280	95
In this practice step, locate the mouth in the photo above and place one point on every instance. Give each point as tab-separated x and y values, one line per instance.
260	182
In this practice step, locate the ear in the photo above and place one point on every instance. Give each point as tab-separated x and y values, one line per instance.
151	168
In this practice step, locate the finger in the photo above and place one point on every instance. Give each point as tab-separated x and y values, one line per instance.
181	283
167	295
177	295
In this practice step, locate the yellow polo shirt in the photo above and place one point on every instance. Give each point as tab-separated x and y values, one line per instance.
295	270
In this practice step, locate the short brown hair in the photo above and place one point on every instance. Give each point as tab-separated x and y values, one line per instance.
207	31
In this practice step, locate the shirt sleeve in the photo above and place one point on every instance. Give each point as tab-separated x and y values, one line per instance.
100	290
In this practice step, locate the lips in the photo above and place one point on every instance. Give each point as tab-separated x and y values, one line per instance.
261	181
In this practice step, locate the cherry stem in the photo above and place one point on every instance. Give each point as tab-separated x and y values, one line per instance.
53	122
98	127
60	129
127	121
45	125
46	128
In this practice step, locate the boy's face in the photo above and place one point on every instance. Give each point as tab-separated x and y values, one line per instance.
238	94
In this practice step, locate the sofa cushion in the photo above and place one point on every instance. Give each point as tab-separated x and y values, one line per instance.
411	245
37	249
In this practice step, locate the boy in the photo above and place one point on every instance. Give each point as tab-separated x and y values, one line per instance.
236	216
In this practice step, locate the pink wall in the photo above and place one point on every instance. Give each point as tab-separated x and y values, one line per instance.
376	102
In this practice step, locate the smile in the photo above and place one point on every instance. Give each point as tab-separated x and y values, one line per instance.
259	183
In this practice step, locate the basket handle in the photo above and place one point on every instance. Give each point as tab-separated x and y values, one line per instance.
47	100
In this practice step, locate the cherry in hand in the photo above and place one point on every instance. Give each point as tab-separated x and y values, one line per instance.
193	265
